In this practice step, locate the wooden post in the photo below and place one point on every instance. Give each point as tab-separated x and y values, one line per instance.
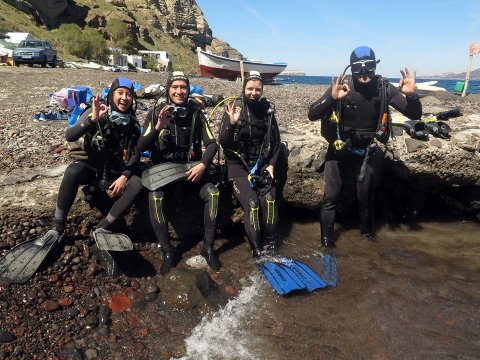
242	69
467	75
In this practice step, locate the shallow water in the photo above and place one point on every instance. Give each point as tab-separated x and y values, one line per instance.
414	294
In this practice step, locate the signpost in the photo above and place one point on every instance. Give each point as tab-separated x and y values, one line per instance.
474	49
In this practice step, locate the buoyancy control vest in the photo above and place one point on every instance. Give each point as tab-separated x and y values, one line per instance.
341	136
106	143
181	141
253	132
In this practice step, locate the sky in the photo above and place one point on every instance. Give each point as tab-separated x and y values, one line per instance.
317	36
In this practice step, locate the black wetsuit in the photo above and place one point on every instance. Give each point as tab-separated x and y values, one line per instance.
114	151
249	138
360	111
181	141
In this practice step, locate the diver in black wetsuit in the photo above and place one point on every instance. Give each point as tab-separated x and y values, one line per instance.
175	133
109	157
251	140
361	124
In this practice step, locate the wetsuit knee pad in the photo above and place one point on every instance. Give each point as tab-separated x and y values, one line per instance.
157	204
270	200
253	215
210	196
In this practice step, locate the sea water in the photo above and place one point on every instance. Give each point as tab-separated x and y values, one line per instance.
449	85
413	294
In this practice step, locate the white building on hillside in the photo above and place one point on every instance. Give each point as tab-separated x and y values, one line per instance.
17	37
135	60
162	58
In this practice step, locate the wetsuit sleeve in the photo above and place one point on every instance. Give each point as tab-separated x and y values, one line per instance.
226	134
321	106
84	124
274	142
209	142
410	106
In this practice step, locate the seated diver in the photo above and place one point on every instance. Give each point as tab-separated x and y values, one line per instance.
110	133
107	130
174	132
251	141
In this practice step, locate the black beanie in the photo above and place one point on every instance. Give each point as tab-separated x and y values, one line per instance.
177	75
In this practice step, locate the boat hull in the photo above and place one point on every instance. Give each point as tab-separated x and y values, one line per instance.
214	66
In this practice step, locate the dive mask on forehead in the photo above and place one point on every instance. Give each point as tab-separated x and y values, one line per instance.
119	118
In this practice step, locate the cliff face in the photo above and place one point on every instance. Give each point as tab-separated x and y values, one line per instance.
152	23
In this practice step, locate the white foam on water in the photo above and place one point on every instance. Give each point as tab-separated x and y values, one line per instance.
220	335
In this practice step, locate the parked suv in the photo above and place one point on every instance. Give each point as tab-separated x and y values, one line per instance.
35	52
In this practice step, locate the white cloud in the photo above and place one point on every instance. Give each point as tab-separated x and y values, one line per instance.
271	26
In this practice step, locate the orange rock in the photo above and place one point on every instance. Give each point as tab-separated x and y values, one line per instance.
65	302
119	303
231	290
143	333
68	289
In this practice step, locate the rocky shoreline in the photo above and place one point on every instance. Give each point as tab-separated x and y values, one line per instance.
65	311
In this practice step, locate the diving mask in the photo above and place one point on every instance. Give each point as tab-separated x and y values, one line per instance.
119	118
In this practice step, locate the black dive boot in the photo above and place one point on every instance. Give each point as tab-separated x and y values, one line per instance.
327	222
366	223
168	260
256	248
59	226
270	243
209	253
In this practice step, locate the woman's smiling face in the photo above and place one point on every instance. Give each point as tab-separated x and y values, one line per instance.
122	98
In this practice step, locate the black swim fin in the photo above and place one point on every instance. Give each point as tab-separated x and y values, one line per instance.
107	240
416	129
439	129
22	261
282	279
164	174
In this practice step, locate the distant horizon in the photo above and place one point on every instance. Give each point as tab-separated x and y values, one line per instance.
317	37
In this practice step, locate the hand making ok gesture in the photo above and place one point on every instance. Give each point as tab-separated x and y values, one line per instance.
339	88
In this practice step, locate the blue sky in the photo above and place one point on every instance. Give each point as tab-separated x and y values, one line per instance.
431	36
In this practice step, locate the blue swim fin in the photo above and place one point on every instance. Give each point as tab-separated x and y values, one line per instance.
328	264
311	279
282	279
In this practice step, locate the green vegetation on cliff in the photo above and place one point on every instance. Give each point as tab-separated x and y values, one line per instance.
75	40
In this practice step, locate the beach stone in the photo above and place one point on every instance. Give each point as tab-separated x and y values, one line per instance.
186	289
414	145
65	302
436	143
72	313
6	336
49	305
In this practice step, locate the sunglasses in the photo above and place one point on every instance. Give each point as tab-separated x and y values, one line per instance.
369	65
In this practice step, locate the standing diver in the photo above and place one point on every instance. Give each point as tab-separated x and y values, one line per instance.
360	115
251	141
174	133
109	160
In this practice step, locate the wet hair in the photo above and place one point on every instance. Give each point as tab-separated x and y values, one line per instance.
177	75
120	82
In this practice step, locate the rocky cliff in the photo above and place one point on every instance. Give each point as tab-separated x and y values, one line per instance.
153	24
